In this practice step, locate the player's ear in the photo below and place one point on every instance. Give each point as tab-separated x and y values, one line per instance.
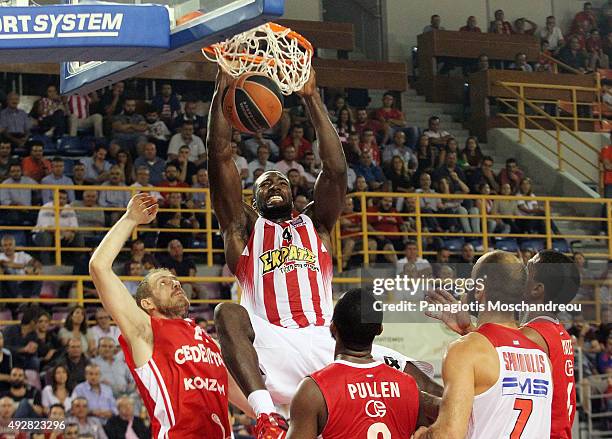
536	292
147	304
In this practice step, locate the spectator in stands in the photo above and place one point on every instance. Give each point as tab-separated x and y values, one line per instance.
186	168
483	174
520	26
142	180
437	136
373	174
297	140
179	264
411	258
511	174
363	121
129	127
399	179
113	369
27	398
6	364
361	185
155	164
5	159
58	392
75	361
597	58
241	164
87	425
428	204
471	25
18	263
351	233
15	124
529	208
199	198
7	411
399	148
312	169
112	102
585	17
197	150
49	345
544	63
465	261
190	115
300	202
449	206
453	173
473	225
176	220
520	63
167	104
75	326
114	198
156	129
471	155
573	56
426	155
434	24
368	143
552	33
89	218
171	180
506	207
125	424
392	118
35	165
451	146
482	64
387	224
79	116
251	146
103	327
139	254
124	161
56	177
20	341
352	149
97	167
288	162
344	124
499	25
44	232
296	181
133	268
17	197
49	114
78	179
100	399
261	162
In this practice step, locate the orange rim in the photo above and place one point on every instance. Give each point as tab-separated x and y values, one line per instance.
256	59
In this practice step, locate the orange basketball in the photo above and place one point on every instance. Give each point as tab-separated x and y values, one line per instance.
254	102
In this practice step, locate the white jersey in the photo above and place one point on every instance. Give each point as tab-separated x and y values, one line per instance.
518	405
285	273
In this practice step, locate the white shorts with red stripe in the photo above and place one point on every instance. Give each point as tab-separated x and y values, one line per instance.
287	355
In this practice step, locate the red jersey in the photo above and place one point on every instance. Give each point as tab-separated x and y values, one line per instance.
285	272
184	385
365	400
561	354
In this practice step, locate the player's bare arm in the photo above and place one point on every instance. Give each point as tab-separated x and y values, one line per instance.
133	322
425	383
330	187
237	398
458	371
308	411
235	217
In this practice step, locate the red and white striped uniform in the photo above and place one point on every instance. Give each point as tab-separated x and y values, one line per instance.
285	273
184	385
79	106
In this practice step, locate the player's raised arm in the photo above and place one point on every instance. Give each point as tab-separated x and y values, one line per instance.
132	320
458	397
330	187
308	411
225	183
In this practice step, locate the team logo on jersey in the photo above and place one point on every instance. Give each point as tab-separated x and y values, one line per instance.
273	259
525	386
375	409
297	222
569	368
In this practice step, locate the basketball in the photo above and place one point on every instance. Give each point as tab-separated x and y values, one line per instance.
254	102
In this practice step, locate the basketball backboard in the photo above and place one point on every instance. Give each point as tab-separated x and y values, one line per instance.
98	43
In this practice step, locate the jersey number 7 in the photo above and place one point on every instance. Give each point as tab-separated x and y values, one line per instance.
525	407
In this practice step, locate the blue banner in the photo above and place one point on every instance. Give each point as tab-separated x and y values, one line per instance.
83	26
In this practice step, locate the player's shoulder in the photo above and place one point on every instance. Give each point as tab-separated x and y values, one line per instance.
468	347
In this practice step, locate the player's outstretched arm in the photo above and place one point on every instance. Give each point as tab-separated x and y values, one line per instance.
133	322
308	412
225	183
458	397
330	187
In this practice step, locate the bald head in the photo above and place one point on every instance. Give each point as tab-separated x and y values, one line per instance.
504	276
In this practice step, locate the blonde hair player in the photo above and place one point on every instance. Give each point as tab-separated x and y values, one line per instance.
178	368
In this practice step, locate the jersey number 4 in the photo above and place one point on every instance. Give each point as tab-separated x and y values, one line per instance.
378	429
524	407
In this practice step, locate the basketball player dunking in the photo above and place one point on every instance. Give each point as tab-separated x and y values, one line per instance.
284	266
355	396
497	382
553	277
178	368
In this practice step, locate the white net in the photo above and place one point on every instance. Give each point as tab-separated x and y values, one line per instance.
271	49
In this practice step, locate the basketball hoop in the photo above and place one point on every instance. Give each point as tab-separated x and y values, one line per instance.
271	49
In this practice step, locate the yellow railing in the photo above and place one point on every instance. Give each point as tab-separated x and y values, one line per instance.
520	118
